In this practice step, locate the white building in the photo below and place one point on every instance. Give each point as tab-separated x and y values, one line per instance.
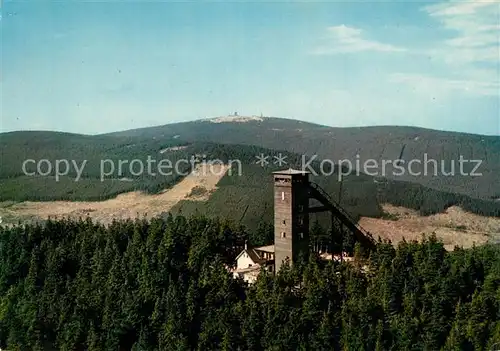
250	261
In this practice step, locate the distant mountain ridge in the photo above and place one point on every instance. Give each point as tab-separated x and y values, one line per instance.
247	199
376	143
281	121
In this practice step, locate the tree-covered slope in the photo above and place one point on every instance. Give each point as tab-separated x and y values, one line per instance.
370	143
248	199
98	158
244	196
163	286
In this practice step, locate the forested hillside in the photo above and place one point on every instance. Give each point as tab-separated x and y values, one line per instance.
244	196
86	152
163	286
370	143
248	199
296	137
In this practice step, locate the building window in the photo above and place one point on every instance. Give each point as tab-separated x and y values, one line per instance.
301	235
284	222
282	196
283	235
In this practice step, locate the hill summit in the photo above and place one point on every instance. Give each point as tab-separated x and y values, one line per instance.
434	155
235	119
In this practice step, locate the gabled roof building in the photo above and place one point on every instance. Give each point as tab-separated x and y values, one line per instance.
251	260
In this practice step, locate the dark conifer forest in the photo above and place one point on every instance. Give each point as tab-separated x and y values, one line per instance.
163	285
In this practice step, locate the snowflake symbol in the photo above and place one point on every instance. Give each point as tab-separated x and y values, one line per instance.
280	159
262	160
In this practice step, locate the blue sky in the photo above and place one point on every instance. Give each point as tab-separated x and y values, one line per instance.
95	67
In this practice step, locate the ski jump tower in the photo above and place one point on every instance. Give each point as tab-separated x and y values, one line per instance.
292	192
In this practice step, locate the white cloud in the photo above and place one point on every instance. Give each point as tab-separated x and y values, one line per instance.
344	39
473	41
456	8
475	28
478	40
436	85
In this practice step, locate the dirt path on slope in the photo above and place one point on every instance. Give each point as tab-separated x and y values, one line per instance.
135	204
453	227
